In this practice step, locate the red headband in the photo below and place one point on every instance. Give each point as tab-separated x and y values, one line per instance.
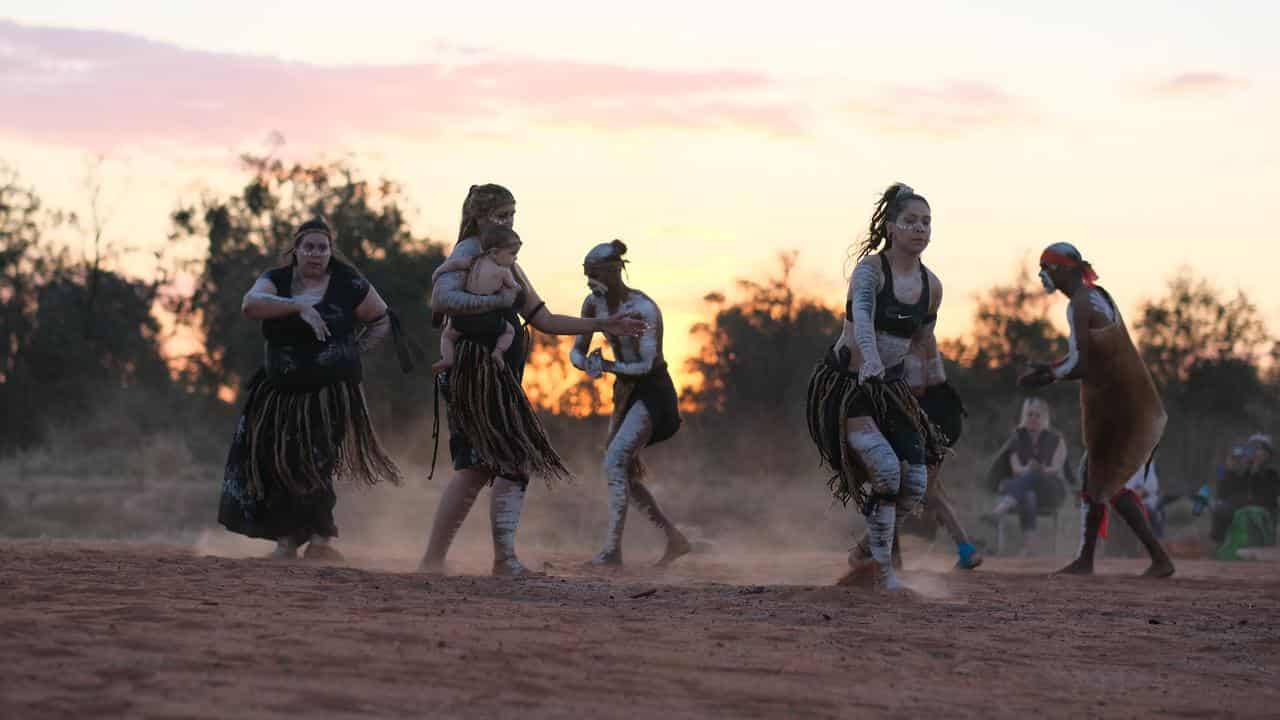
1049	257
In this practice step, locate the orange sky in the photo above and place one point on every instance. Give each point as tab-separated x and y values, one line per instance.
708	141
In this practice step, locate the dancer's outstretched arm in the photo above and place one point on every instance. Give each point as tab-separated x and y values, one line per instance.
582	344
536	312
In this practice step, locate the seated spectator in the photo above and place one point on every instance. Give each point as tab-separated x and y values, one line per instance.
1029	471
1248	501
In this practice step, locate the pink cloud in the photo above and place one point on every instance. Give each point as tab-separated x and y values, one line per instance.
102	88
947	110
1199	83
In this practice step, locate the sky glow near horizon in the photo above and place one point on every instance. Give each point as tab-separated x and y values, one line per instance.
707	136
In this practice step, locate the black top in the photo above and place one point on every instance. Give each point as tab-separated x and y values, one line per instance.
484	329
896	317
1255	486
294	357
1041	449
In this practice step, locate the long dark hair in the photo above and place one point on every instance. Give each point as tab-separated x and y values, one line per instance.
481	200
890	205
337	260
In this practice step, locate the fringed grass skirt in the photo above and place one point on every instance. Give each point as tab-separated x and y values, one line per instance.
835	395
489	409
288	447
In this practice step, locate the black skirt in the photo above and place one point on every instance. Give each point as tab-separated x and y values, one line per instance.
288	447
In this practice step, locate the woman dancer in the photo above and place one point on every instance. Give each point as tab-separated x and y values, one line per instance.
862	414
480	456
645	406
305	419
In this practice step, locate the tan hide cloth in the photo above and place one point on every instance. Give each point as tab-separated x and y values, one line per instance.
1121	412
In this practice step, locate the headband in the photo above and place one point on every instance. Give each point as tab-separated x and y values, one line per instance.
1050	257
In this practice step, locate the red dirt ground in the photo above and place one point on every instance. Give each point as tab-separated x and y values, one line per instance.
149	631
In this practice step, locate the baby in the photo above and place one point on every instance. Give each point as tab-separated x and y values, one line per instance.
488	274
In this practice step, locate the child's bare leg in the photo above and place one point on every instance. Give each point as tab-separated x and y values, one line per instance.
448	350
504	344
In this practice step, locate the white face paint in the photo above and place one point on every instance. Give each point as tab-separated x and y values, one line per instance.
1047	281
597	288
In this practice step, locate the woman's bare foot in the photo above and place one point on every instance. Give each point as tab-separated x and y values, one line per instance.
677	547
432	567
322	552
605	559
284	551
862	573
1160	568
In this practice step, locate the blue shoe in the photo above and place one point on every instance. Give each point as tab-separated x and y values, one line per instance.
970	558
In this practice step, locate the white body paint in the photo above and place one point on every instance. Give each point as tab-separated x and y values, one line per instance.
890	349
633	357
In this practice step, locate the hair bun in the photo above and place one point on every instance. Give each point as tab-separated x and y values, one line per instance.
620	246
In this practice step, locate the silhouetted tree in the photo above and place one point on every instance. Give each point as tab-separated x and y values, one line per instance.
1204	349
71	332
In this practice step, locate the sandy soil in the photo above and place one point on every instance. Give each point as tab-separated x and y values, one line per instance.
151	631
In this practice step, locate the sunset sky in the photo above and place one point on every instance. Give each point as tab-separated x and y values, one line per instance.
708	136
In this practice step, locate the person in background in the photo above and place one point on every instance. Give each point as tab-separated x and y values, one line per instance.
1247	479
1028	473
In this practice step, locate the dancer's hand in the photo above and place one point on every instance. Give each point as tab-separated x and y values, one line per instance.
625	325
872	367
311	317
595	364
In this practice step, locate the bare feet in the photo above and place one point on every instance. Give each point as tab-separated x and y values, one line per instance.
284	550
1077	567
432	567
677	547
605	559
862	573
1160	568
322	553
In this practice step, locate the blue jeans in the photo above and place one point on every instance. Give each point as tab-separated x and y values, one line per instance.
1023	488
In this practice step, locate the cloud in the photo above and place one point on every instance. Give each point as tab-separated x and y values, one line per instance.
103	88
946	110
1199	83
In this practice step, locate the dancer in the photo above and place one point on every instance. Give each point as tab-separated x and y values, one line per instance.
488	274
862	415
480	454
305	420
1122	416
645	406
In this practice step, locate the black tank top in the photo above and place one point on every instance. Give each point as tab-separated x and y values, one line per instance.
294	358
896	317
